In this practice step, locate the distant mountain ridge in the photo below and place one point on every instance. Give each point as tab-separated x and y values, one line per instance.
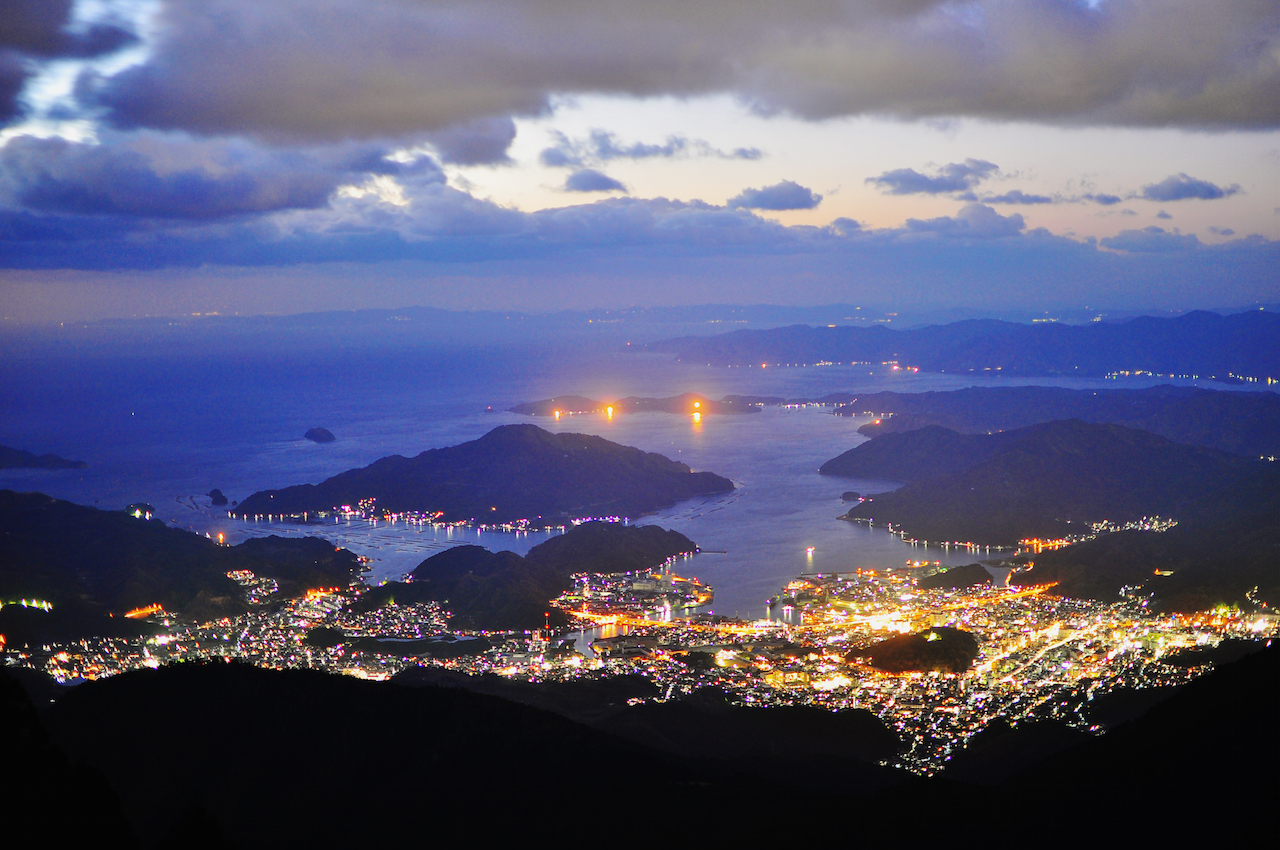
1246	423
514	472
1202	344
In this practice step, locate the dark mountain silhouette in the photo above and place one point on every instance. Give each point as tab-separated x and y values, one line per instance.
1225	550
1044	481
445	756
91	563
515	472
1181	767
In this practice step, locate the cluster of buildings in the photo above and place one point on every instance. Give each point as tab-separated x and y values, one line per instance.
1038	657
647	592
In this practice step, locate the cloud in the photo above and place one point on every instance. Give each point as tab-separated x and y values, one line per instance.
780	196
650	251
1017	196
13	77
1103	199
39	30
590	180
974	221
163	176
483	141
1222	231
602	146
330	69
1150	240
1163	215
1181	187
954	177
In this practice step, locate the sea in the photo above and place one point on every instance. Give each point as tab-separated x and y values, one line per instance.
165	423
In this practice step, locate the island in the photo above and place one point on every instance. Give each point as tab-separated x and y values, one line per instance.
502	590
319	435
514	473
20	459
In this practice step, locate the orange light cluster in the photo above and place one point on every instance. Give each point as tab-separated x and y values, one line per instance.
1037	545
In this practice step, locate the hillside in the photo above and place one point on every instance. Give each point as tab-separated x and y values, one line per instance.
452	759
1225	550
1200	343
944	650
89	563
454	752
1044	481
515	472
1246	423
502	590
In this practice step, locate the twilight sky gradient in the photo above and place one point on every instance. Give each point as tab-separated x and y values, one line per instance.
171	156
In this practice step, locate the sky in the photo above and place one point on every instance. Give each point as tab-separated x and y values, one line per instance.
160	157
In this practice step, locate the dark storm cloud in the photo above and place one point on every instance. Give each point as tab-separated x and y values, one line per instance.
590	180
37	29
601	146
163	177
953	177
1017	196
1181	187
376	68
786	195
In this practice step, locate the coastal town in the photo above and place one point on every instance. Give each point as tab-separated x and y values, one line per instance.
1034	655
